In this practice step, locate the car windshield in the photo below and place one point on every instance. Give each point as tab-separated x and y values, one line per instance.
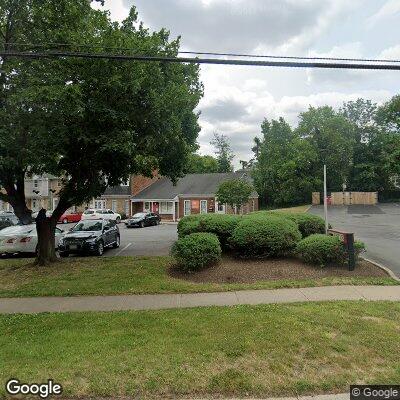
86	226
139	215
88	212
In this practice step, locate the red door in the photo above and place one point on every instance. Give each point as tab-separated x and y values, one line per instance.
155	207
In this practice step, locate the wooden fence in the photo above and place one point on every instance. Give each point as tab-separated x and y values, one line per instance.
348	198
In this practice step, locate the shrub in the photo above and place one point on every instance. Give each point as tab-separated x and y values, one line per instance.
265	236
196	251
321	249
221	225
308	223
123	216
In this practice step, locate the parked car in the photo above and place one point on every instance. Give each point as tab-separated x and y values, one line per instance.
48	214
21	239
91	214
143	219
90	237
8	219
69	217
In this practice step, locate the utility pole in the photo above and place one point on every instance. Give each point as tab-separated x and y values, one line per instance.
325	203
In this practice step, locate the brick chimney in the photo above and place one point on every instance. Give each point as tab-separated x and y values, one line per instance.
140	182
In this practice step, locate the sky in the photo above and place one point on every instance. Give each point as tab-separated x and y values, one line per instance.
237	98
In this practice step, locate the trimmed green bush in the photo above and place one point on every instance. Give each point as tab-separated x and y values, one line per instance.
308	223
265	236
321	249
196	251
221	225
325	249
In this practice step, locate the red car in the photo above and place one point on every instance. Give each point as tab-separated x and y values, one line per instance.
70	217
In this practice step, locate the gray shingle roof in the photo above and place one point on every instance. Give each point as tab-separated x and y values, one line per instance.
118	191
189	185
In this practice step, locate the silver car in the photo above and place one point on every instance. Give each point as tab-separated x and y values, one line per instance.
22	239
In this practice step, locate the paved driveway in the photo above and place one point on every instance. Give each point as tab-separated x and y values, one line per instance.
148	241
377	226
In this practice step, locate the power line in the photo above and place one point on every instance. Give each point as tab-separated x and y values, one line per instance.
194	60
92	46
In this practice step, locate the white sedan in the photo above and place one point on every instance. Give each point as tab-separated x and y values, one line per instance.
91	213
21	239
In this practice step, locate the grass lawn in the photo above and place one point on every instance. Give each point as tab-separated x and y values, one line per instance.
295	209
134	275
234	351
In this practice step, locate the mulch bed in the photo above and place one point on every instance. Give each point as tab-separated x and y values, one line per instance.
233	270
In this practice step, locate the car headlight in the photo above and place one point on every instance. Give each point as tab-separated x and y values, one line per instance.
91	240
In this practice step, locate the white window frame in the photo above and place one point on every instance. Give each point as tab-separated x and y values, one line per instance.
147	209
35	183
201	206
184	207
126	207
114	205
100	202
166	207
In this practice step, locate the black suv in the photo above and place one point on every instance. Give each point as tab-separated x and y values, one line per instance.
143	219
89	236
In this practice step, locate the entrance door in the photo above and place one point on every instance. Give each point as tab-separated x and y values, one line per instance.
156	207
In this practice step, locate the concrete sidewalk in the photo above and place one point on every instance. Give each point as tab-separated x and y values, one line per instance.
33	305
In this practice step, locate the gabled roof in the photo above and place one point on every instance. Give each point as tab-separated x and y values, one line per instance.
189	185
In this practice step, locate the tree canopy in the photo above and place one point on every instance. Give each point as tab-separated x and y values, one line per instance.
198	164
235	193
92	122
359	143
223	152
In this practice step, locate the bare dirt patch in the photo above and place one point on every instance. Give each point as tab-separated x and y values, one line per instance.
233	270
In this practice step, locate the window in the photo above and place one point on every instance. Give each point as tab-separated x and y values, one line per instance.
100	204
35	183
146	206
166	207
203	206
187	207
114	205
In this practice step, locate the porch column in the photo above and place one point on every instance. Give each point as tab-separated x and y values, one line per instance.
173	206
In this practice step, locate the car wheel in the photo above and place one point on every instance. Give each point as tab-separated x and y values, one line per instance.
65	221
118	220
142	224
100	249
64	254
117	242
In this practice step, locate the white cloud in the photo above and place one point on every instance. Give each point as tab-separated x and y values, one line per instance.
389	9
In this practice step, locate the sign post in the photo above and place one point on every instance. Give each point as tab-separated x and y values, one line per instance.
348	242
325	203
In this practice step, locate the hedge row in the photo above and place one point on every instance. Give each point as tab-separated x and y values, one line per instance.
260	234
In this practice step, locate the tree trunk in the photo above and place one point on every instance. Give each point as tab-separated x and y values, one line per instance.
46	227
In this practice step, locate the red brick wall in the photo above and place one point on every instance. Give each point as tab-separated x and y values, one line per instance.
140	182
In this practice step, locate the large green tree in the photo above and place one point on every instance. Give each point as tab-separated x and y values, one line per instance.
92	122
235	193
198	164
284	169
333	138
223	152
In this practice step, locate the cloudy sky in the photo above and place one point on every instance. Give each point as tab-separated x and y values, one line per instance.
237	99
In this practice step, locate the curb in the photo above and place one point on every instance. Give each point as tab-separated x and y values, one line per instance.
386	269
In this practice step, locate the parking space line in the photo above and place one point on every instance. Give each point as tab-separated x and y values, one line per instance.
119	252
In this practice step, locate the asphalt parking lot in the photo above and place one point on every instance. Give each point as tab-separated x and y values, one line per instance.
377	226
148	241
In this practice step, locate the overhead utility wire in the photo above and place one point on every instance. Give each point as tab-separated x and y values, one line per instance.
290	64
91	46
